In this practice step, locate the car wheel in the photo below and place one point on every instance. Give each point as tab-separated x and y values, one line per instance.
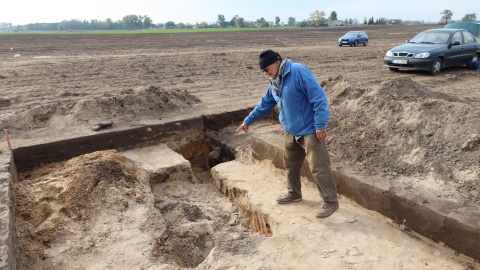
436	67
474	59
393	69
340	45
366	42
356	43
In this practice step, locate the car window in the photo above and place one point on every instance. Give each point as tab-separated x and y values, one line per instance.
468	37
431	38
439	38
457	37
419	38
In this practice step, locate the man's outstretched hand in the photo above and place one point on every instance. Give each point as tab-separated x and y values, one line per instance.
242	127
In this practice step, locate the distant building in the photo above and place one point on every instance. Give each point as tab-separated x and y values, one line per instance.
394	21
414	22
336	23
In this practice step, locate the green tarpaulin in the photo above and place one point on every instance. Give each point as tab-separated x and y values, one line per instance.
472	27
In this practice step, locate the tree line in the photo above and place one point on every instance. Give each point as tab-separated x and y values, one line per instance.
138	22
129	22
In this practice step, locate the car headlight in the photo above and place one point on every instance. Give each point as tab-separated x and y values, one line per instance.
422	55
339	39
389	53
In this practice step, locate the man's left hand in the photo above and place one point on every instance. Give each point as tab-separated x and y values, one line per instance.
321	134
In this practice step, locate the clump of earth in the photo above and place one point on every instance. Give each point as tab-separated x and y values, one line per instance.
401	128
126	105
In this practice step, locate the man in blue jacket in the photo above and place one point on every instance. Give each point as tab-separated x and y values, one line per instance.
303	114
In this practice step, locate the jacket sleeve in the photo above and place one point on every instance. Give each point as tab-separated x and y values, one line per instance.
316	96
263	108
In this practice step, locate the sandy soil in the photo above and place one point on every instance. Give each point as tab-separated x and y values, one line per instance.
406	126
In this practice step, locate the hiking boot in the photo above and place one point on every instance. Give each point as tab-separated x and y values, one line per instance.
288	198
327	210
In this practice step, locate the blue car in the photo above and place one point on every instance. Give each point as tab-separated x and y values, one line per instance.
353	38
435	49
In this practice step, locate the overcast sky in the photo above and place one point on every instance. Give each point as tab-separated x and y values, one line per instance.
20	12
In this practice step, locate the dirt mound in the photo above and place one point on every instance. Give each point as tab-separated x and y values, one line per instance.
144	102
79	206
403	128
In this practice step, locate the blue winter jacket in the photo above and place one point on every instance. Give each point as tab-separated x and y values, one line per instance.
302	101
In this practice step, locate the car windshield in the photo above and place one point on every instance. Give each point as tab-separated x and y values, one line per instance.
431	38
352	33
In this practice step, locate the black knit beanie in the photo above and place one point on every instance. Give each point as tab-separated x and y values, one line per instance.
268	57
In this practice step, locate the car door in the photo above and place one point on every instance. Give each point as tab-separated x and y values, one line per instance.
471	47
457	52
362	38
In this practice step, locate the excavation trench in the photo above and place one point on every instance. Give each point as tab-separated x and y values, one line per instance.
64	198
161	175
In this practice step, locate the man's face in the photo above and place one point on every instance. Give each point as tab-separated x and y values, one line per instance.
272	70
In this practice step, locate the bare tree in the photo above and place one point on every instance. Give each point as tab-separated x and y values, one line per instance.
446	16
